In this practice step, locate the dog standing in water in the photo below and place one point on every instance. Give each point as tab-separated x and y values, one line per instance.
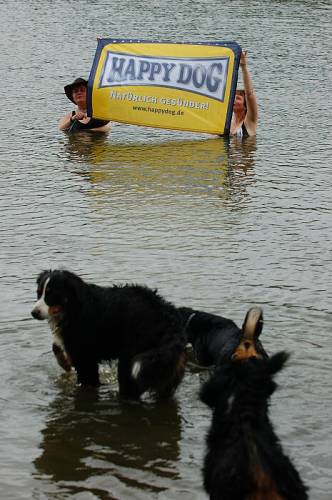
214	338
244	459
129	323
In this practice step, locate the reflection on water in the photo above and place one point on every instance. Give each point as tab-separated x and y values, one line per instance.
176	166
241	154
99	149
90	434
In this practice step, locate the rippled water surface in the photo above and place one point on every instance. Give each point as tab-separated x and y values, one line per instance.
213	224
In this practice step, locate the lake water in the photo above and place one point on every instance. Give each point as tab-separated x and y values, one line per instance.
213	224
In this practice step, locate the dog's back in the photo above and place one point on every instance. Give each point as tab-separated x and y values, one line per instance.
245	460
214	338
131	317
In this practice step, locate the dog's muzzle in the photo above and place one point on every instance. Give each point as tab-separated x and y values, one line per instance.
40	310
36	313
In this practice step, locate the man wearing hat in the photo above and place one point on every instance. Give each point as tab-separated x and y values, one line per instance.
77	120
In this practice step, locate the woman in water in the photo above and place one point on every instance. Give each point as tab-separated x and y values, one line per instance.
245	110
77	120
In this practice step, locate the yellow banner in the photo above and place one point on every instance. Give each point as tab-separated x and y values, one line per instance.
167	85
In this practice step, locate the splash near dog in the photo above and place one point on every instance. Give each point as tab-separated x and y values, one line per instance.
165	85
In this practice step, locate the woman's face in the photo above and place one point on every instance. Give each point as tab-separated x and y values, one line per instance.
239	103
79	95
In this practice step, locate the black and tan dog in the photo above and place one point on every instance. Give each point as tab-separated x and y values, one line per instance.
244	459
129	323
215	338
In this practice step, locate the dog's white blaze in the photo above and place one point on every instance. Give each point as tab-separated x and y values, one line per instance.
40	306
136	369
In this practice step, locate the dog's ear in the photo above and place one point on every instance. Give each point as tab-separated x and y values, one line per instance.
72	286
277	361
42	276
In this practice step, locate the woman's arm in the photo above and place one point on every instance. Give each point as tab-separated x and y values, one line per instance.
65	122
252	108
68	119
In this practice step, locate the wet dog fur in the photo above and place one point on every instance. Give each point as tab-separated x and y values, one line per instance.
244	459
129	323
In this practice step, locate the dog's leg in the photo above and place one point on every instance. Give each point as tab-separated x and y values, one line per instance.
87	373
159	370
166	390
62	357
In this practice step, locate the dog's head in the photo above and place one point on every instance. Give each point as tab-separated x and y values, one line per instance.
55	290
251	377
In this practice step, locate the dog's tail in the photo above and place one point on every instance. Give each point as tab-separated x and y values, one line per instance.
251	330
161	369
253	323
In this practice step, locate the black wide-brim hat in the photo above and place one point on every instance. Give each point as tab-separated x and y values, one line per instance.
76	83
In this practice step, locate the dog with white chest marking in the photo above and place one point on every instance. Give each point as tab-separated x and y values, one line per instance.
129	323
